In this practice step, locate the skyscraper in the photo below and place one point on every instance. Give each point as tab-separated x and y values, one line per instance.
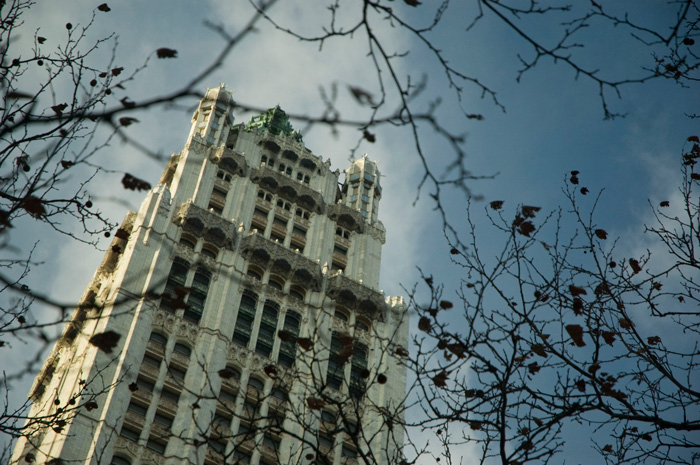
235	318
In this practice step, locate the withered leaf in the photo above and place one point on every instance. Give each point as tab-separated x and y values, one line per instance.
381	378
126	121
576	290
106	341
166	53
653	340
457	349
665	203
314	403
693	139
576	333
609	337
496	204
695	176
581	385
578	306
529	211
608	449
66	164
270	370
412	2
625	323
305	343
539	349
424	324
593	368
601	234
369	136
41	40
122	234
361	96
90	406
34	206
445	304
538	422
475	425
104	7
454	251
440	379
646	437
526	228
401	352
227	373
133	183
533	368
58	109
584	190
285	336
117	71
133	387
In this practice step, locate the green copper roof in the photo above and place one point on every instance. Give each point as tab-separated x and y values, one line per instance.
274	120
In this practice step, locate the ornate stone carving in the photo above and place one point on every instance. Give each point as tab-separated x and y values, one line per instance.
287	263
356	296
288	188
208	225
378	232
347	218
229	160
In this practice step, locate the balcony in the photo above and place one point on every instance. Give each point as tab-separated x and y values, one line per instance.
208	225
356	296
288	263
289	189
230	160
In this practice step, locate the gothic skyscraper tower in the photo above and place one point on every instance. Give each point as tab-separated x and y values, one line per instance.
243	299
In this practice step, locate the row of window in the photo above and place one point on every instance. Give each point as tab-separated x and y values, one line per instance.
177	295
283	204
287	169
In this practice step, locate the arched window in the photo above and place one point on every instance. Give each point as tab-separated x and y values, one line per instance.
335	375
119	461
341	314
287	354
210	251
276	282
245	318
297	293
158	338
256	384
267	330
358	370
254	272
173	295
362	324
198	295
188	241
182	350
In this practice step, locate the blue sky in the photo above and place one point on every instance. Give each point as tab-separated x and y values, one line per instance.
552	123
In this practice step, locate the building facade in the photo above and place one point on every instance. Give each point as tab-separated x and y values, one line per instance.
235	318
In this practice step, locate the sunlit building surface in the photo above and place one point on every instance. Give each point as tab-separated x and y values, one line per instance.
243	308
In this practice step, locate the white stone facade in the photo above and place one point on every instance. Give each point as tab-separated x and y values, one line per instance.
245	293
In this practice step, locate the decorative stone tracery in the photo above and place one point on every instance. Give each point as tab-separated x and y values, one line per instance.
230	161
282	261
347	218
356	296
288	189
208	225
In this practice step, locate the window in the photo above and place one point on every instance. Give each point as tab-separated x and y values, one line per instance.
341	315
218	445
198	295
210	252
144	384
349	452
256	384
268	328
158	339
157	445
228	396
217	201
254	272
130	434
297	293
174	293
359	324
176	373
170	396
151	361
275	283
328	417
224	176
240	457
245	318
182	350
325	442
137	409
335	375
163	420
187	242
287	353
222	419
358	371
119	461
